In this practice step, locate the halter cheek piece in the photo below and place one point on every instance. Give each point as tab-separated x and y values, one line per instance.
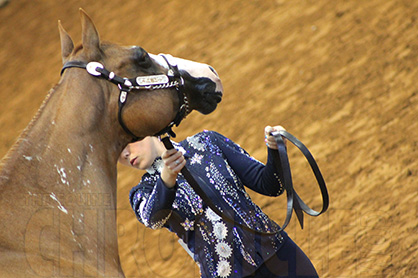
172	79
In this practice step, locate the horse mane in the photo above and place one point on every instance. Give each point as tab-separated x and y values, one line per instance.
22	137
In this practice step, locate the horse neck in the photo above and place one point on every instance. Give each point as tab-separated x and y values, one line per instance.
62	171
69	145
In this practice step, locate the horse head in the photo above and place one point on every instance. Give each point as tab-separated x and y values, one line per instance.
161	89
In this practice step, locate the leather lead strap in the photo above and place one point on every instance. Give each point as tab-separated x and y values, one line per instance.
294	202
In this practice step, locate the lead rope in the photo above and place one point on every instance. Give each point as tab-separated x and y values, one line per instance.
281	161
293	200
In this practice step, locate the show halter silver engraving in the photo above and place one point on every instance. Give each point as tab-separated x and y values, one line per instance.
152	80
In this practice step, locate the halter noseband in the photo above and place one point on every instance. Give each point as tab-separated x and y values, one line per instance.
173	78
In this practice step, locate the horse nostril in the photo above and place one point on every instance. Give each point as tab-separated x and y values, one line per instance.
216	96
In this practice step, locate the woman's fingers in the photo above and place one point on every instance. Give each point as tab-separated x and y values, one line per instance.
174	160
269	139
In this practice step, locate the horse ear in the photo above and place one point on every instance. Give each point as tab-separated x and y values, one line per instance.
90	37
67	44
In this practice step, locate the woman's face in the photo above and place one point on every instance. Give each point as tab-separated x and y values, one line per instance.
140	154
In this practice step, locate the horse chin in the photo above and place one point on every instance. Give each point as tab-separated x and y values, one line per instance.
213	98
207	110
210	103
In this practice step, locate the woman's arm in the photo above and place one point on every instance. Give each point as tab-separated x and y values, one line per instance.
261	178
152	201
153	198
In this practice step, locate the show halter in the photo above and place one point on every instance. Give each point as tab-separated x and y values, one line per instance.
172	79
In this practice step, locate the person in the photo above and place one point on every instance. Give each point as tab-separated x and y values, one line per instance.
163	198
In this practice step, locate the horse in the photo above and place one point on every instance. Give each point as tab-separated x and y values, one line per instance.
58	181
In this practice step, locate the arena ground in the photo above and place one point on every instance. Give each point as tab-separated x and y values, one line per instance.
339	75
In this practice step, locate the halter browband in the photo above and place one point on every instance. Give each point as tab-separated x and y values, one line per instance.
173	78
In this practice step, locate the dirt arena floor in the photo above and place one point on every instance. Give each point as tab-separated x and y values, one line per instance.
340	75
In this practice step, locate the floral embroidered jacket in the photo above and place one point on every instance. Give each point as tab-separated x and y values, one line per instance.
220	248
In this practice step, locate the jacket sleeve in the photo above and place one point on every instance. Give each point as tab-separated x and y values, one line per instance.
152	201
261	178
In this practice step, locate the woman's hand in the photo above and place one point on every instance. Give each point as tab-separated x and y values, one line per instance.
173	163
269	139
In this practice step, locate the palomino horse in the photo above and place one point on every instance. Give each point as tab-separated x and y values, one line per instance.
58	183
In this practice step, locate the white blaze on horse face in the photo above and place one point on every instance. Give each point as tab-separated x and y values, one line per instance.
195	69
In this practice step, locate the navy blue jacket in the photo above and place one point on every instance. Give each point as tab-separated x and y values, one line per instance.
224	250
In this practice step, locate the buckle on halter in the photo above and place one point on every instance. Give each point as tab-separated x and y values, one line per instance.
170	72
92	68
123	95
